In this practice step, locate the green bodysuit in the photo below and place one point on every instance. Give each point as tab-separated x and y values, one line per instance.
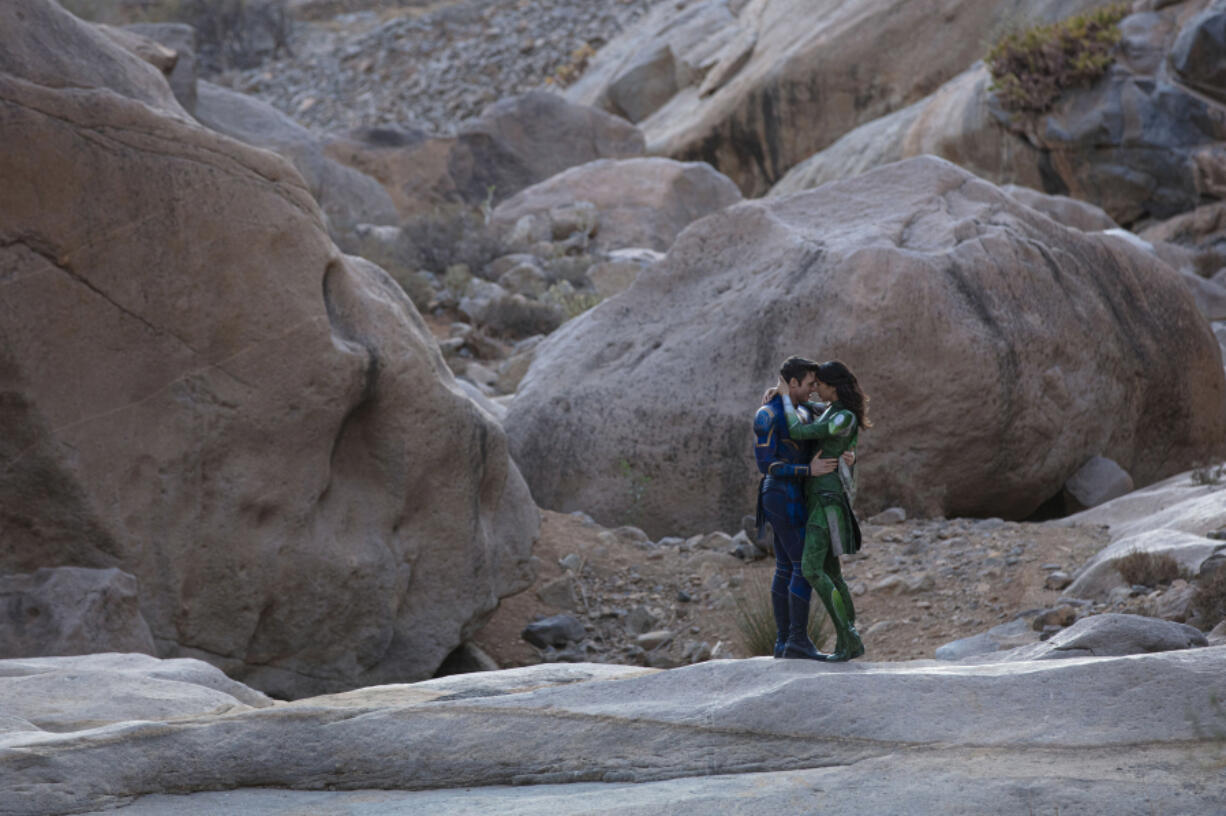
830	530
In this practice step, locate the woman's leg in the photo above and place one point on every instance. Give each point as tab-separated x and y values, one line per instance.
819	562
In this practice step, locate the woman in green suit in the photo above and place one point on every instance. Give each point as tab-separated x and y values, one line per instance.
832	529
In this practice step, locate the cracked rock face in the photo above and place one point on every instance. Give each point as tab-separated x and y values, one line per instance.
196	387
981	330
755	88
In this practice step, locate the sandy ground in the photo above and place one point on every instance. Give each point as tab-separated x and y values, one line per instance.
917	585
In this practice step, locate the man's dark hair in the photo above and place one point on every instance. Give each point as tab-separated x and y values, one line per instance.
795	368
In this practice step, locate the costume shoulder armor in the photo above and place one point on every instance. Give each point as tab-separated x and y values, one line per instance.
841	423
763	420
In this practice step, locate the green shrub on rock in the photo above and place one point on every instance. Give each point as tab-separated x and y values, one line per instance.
1031	68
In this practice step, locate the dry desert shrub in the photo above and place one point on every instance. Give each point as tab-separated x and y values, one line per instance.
445	237
1148	569
1030	68
1209	602
755	620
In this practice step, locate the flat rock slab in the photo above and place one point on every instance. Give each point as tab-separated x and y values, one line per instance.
924	731
75	693
928	782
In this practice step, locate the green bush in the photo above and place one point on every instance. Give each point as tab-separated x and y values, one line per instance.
755	620
1031	68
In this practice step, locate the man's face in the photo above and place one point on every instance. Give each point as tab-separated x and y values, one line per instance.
802	389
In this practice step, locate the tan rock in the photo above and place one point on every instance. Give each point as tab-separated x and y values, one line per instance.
759	91
642	202
955	123
201	390
913	274
513	144
347	196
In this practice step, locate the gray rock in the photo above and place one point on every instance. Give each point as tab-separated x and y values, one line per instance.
640	620
75	693
181	39
556	631
890	515
627	203
1098	480
655	639
1005	636
559	593
1057	580
347	196
582	734
1110	635
70	611
1199	52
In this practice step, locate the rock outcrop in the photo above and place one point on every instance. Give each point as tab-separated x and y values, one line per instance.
514	143
756	87
69	611
346	196
639	202
1013	347
1082	735
200	390
1137	143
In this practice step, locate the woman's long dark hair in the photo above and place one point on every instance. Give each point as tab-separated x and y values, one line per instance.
834	373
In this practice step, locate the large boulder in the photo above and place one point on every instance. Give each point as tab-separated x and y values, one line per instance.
639	202
199	389
756	87
69	611
1013	347
513	144
346	196
725	736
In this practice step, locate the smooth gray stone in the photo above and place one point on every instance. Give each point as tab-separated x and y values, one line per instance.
1032	720
935	782
1110	635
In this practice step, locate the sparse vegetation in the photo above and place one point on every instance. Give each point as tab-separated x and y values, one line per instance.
517	316
755	620
568	72
1032	67
447	236
1149	569
1209	602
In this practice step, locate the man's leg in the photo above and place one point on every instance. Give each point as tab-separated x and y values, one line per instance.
779	594
774	504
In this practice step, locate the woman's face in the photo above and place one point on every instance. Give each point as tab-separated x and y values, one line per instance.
826	393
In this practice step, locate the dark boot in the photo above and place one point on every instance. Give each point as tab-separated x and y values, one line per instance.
779	605
798	645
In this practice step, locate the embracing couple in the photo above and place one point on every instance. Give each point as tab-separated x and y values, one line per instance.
806	453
